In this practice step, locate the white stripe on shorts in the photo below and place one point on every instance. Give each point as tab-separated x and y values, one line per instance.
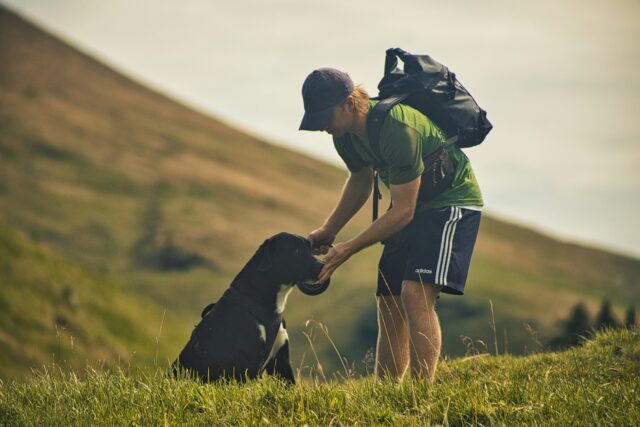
443	241
472	208
445	273
446	246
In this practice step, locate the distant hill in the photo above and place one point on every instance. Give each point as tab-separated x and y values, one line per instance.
127	183
55	312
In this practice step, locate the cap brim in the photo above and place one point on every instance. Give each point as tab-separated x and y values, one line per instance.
316	121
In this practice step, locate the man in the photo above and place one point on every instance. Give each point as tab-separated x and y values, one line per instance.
428	244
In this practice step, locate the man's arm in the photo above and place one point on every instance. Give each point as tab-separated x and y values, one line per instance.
355	193
401	213
404	198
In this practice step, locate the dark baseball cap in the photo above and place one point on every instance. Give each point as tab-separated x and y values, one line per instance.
322	90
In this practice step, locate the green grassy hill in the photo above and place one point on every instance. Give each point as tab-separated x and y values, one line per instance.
132	186
591	385
53	311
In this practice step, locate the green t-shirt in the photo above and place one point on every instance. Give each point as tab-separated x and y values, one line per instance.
406	138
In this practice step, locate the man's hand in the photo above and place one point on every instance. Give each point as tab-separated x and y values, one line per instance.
354	194
321	240
337	255
404	204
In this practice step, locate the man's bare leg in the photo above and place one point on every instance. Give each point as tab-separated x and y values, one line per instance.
392	352
424	328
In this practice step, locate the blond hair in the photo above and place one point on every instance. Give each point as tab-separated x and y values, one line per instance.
360	99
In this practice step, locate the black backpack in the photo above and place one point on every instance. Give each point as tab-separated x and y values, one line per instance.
432	89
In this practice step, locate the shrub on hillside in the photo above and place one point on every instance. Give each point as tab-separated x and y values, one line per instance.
578	327
155	248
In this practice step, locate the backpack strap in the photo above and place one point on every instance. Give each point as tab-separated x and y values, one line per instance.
450	142
375	119
376	194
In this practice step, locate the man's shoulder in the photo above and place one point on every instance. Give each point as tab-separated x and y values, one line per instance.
403	122
404	116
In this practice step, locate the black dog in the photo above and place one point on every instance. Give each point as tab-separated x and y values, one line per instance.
244	334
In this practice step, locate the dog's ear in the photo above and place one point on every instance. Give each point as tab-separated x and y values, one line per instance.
267	254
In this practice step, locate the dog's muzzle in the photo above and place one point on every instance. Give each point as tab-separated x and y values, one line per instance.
311	287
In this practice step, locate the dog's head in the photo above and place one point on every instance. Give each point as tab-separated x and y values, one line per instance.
287	259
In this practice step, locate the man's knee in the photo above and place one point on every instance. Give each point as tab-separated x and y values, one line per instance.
419	294
390	306
392	322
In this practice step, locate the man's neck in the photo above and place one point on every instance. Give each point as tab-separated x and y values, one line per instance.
360	125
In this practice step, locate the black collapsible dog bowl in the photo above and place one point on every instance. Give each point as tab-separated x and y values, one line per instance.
313	288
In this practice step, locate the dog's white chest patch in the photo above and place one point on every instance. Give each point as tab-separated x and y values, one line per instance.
281	338
263	332
281	299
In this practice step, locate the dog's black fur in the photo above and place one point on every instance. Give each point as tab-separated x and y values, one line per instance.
228	342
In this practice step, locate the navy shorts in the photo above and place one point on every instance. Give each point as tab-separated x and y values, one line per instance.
434	248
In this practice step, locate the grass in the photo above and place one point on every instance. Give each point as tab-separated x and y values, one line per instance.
85	153
596	384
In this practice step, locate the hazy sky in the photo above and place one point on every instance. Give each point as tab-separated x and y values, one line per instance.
559	80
